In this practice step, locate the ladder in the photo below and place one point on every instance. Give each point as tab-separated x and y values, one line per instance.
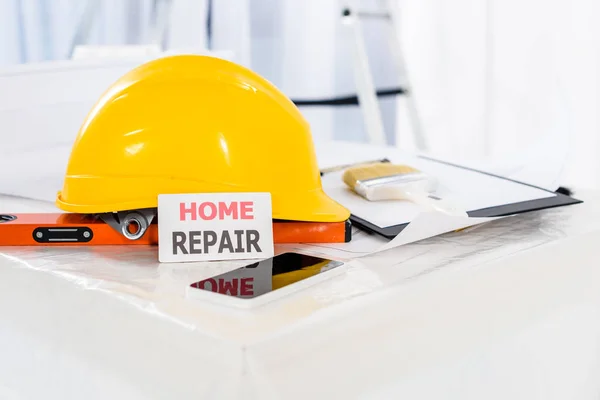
367	94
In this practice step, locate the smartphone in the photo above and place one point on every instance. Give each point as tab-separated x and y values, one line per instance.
274	274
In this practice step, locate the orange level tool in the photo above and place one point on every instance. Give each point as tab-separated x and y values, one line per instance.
78	229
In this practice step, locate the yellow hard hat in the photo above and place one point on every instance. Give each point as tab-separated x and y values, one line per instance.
195	124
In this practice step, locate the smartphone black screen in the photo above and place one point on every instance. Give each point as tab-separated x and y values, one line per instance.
266	276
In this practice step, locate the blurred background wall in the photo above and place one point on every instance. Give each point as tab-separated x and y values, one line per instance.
492	79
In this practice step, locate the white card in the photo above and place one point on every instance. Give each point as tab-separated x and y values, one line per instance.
214	226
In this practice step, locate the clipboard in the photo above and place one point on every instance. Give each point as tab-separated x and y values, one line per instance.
510	208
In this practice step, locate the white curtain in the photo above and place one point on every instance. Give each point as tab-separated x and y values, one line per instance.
500	79
300	46
545	80
38	30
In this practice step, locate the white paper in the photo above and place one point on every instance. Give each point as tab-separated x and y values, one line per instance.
424	226
362	243
541	165
430	224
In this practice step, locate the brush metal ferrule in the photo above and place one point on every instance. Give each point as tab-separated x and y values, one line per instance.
363	186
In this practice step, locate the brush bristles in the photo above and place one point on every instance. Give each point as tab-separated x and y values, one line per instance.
365	172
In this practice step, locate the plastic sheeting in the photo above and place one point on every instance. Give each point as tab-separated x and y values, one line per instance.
509	309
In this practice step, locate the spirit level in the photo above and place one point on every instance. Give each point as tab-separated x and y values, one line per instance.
58	229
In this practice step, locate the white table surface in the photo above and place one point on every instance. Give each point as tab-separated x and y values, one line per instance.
509	310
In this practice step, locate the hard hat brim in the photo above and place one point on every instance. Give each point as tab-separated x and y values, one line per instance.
316	207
